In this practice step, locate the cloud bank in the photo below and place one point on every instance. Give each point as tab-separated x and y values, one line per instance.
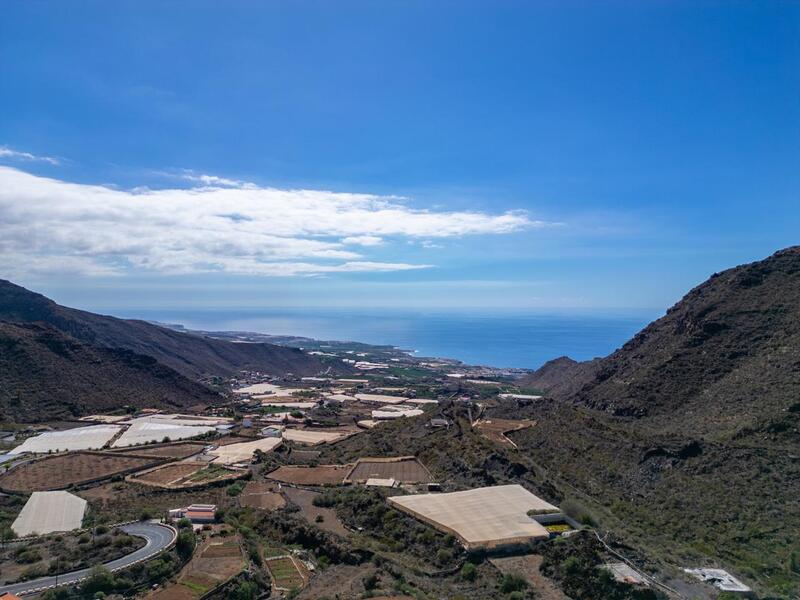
52	226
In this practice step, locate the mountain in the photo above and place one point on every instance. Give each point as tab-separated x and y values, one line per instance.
722	361
687	438
45	374
194	356
560	377
683	446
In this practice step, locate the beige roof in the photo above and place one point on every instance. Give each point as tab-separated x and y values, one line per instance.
313	436
155	428
483	517
379	482
79	438
47	512
236	453
381	399
396	414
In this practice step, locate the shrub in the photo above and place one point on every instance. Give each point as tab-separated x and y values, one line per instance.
370	581
469	572
235	488
512	583
28	556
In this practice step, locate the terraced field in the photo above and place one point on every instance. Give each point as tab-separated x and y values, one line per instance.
75	468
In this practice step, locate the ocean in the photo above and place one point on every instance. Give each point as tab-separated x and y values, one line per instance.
497	339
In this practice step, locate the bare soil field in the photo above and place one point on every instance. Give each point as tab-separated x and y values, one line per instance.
179	450
261	495
304	499
286	572
495	429
75	468
214	563
527	567
185	475
300	475
233	439
405	470
168	474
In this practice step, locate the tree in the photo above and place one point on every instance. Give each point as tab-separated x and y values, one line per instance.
185	544
100	580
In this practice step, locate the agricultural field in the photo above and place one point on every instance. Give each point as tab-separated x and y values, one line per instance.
179	451
287	573
63	471
322	475
213	564
496	429
261	495
406	469
168	475
184	475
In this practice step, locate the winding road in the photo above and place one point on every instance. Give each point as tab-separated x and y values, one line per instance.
158	538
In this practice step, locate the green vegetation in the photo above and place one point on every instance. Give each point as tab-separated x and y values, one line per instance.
185	544
573	562
366	509
235	488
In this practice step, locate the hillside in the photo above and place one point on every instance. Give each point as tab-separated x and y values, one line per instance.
194	356
688	437
724	361
561	377
45	374
684	445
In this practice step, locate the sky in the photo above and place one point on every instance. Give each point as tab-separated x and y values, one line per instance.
455	155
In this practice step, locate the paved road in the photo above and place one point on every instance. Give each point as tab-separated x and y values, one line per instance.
158	538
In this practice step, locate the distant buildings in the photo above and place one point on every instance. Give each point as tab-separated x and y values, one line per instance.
197	513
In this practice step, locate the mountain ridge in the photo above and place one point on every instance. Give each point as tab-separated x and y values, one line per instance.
46	374
193	356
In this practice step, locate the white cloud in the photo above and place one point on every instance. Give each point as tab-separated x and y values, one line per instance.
363	240
214	181
47	224
6	152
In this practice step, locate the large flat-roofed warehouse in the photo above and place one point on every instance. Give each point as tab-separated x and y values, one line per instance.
481	518
48	512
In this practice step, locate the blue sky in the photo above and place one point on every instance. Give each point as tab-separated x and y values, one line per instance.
521	155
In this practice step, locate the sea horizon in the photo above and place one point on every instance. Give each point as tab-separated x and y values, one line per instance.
504	338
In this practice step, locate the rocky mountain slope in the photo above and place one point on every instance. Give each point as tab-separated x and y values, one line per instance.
45	374
194	356
683	446
561	377
724	361
688	437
